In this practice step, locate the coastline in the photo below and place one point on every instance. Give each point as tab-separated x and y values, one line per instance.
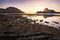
10	23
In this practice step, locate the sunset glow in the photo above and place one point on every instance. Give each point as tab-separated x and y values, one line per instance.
31	5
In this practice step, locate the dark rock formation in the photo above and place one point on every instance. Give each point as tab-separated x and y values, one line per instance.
46	22
38	11
56	22
16	27
46	10
41	20
2	10
51	11
10	10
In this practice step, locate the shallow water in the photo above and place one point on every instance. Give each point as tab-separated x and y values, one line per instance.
49	20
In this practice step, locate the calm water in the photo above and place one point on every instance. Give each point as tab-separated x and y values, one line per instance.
49	20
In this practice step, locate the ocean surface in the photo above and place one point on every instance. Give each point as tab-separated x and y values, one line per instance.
50	19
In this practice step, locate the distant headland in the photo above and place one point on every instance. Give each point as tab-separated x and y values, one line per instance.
16	10
10	10
46	10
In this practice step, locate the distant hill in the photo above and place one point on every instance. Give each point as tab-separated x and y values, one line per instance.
10	10
46	10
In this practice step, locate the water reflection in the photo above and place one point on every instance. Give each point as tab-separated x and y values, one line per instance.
48	20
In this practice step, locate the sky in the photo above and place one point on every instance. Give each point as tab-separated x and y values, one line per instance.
31	5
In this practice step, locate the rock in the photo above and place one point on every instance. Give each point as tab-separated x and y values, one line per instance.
10	10
41	20
46	22
16	24
2	10
46	10
56	22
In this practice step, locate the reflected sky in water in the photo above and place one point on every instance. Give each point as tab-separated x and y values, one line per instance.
50	21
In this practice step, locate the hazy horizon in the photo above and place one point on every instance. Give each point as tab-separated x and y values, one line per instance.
31	5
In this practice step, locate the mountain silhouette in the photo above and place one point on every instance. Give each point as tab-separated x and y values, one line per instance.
10	10
46	10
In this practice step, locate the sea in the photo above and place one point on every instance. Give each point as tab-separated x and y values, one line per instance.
50	19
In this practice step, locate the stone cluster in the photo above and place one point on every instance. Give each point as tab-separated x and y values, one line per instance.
16	27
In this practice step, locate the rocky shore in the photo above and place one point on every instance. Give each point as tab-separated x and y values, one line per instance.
16	27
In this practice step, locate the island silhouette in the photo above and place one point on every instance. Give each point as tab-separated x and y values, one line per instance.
10	10
16	10
47	10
